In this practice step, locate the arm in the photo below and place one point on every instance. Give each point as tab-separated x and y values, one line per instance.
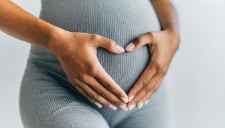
22	25
163	45
167	15
76	52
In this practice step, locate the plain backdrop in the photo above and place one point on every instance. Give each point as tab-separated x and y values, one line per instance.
196	77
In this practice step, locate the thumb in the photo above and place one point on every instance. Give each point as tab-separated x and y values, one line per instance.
110	45
138	42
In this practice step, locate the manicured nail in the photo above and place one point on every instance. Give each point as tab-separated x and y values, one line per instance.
139	107
125	99
130	46
123	107
120	49
98	104
131	98
146	101
131	107
113	107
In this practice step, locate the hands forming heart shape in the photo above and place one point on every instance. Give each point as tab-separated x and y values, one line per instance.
77	54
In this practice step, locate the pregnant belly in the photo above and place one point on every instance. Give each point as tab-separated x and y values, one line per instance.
120	20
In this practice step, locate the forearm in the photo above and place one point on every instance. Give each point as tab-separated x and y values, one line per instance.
167	14
22	25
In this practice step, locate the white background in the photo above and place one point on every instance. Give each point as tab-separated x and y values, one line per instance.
196	76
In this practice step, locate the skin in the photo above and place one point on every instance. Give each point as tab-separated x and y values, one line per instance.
163	46
77	53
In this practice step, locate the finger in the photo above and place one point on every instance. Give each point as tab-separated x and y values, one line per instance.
148	73
145	90
142	81
87	96
107	43
138	42
94	95
150	94
103	77
105	92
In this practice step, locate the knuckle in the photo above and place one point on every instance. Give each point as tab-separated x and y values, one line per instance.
84	77
145	91
79	76
153	63
111	43
150	34
136	89
95	36
145	82
106	94
160	67
110	87
117	103
94	96
138	39
94	69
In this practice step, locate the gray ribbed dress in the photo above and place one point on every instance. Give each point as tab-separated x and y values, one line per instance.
48	99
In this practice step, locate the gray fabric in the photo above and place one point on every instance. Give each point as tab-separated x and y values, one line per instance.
48	99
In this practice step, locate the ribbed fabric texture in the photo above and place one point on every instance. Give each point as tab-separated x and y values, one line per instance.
120	20
45	100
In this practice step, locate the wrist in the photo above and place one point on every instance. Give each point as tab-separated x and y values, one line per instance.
174	31
55	41
174	35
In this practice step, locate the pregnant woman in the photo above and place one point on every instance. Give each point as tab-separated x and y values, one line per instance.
95	63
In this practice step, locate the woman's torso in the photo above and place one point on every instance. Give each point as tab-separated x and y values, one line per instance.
120	20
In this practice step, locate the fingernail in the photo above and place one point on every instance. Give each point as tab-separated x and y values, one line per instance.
123	107
113	107
120	49
139	107
98	104
131	98
131	107
125	99
146	101
130	46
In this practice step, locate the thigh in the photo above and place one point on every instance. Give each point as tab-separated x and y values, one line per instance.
154	114
46	102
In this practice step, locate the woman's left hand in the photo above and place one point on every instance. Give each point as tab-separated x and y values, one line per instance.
163	45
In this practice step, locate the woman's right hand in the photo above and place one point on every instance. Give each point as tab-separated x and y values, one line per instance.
77	54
